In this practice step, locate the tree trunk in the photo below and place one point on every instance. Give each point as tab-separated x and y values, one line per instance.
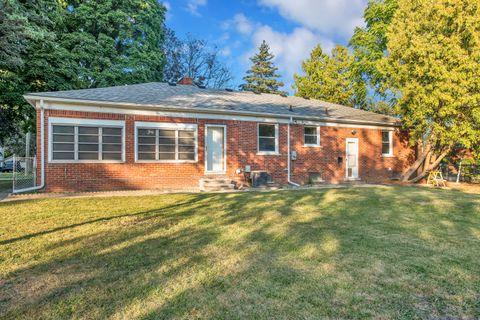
407	174
431	166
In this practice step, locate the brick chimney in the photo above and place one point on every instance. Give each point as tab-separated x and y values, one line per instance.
186	80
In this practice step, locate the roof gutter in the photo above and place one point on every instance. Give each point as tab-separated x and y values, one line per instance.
153	107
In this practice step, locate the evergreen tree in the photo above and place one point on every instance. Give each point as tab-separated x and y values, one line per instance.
433	66
330	78
262	76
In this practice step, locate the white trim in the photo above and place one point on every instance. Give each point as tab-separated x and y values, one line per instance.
346	159
87	122
202	113
343	125
277	138
83	122
224	148
164	125
390	143
318	136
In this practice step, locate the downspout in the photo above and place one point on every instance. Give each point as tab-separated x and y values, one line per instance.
42	153
289	158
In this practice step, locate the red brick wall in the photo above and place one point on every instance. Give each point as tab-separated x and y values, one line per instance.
241	151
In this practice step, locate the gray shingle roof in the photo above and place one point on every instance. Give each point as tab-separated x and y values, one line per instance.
163	95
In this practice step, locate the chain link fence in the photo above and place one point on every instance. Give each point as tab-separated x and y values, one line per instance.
24	173
469	173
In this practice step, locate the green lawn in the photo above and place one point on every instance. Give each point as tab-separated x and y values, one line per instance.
382	252
5	186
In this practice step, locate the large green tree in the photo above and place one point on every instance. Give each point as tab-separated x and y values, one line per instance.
433	67
262	76
330	78
27	50
369	44
113	42
57	45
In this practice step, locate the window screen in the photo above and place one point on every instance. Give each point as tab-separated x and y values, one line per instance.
311	135
85	143
166	144
386	142
267	139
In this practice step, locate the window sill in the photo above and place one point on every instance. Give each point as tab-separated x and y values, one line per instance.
312	145
352	179
84	161
166	161
215	172
268	153
388	156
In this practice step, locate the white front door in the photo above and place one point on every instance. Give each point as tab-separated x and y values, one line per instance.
352	158
215	155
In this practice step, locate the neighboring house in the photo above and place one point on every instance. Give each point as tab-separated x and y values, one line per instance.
167	136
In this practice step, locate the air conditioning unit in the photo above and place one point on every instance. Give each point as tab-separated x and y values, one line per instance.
261	178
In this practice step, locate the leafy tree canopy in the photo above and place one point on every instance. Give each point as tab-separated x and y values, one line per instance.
369	45
262	76
433	67
51	45
330	78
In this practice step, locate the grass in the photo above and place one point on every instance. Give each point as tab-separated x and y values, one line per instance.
5	185
382	252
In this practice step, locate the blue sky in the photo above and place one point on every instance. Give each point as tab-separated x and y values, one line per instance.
291	27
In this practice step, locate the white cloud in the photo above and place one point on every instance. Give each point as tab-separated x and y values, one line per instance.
242	24
167	6
225	52
330	17
193	5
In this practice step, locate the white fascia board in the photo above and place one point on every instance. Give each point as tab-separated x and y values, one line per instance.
200	113
166	125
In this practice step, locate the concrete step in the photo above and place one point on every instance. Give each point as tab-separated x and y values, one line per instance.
216	181
352	182
216	184
225	188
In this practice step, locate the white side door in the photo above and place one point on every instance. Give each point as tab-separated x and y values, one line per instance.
215	149
351	158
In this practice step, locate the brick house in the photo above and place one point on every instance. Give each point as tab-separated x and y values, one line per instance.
177	136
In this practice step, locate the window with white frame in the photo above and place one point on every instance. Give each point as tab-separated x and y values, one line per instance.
387	149
71	142
166	144
267	138
311	135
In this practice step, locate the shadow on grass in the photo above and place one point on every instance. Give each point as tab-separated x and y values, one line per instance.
360	252
151	214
